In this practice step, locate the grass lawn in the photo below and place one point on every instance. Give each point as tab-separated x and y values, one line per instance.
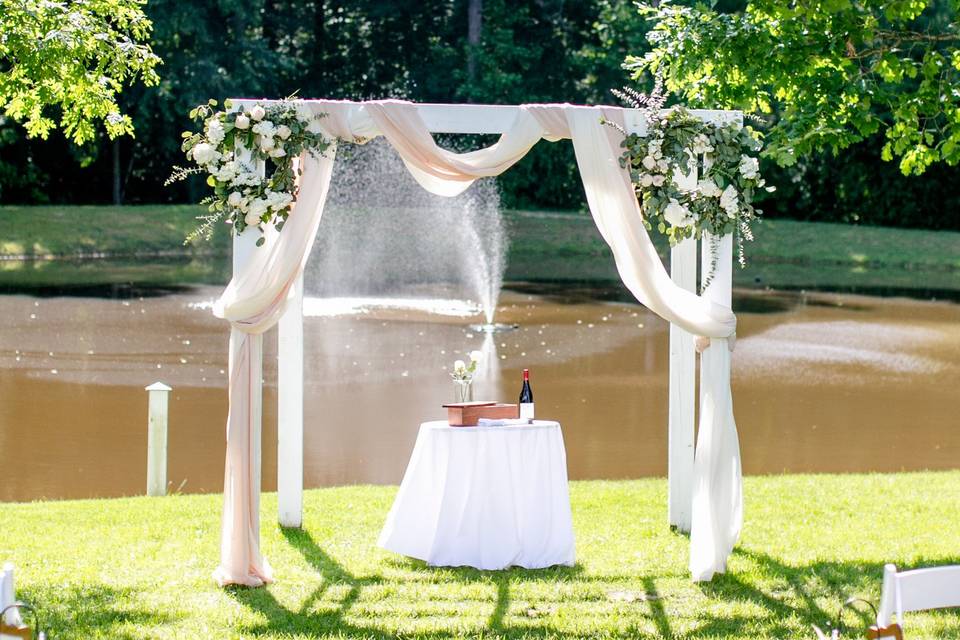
140	567
545	246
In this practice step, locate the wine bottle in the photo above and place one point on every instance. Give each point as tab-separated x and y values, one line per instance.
526	397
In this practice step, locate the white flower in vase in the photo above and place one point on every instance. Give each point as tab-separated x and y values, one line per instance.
476	357
258	112
242	121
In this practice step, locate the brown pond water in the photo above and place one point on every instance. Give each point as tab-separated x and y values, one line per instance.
822	383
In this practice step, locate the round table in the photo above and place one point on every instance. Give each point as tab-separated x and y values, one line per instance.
484	497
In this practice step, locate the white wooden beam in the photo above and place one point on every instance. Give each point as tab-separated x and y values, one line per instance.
496	118
290	411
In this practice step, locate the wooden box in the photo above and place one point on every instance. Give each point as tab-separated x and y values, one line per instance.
468	414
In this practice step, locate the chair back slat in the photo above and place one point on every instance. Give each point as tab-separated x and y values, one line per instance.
933	588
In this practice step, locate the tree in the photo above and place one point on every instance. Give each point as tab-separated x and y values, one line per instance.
830	72
76	57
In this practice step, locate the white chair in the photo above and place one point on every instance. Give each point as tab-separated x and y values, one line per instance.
11	624
917	590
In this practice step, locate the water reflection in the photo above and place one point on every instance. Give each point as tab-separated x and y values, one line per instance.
821	383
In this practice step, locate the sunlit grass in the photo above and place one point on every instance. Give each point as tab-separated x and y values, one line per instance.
140	567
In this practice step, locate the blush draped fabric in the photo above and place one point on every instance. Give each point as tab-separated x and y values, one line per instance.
256	297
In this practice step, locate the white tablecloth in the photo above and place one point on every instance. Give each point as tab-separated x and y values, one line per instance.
484	497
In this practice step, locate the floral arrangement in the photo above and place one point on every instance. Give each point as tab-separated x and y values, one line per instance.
664	165
273	135
463	372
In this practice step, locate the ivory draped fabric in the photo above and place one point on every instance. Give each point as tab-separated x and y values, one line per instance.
256	297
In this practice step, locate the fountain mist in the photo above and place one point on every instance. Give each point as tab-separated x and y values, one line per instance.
383	235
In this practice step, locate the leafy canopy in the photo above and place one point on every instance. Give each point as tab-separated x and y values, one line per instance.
830	72
74	55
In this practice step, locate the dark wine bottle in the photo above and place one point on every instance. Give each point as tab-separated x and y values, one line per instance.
526	397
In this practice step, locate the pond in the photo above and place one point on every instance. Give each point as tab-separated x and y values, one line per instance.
822	383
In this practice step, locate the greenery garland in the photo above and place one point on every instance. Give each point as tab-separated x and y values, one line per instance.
672	199
273	134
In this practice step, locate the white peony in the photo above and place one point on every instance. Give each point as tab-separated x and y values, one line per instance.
215	132
646	180
729	200
266	144
204	153
649	163
708	188
242	121
476	356
677	214
749	167
251	219
258	112
283	131
235	199
658	180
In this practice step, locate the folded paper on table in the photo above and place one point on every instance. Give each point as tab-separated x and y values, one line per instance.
506	422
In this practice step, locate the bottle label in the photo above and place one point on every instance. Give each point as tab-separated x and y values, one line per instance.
526	410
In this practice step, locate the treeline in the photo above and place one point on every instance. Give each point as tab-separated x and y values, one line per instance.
484	51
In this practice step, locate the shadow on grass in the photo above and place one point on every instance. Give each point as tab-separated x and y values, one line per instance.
767	598
91	611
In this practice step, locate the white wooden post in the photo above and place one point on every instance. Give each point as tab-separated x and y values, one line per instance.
8	595
720	289
682	410
290	411
157	439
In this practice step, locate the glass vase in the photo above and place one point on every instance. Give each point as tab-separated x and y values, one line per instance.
463	390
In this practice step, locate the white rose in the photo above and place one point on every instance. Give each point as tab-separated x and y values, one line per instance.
658	180
677	214
235	199
728	200
266	144
204	153
283	131
251	219
277	152
649	163
476	356
215	132
459	365
749	167
242	121
708	188
258	112
646	180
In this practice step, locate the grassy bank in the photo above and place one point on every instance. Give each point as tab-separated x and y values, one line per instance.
545	246
140	567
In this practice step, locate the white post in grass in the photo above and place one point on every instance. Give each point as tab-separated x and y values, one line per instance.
157	439
682	410
290	411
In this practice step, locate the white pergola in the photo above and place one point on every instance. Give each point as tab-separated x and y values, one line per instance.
495	119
